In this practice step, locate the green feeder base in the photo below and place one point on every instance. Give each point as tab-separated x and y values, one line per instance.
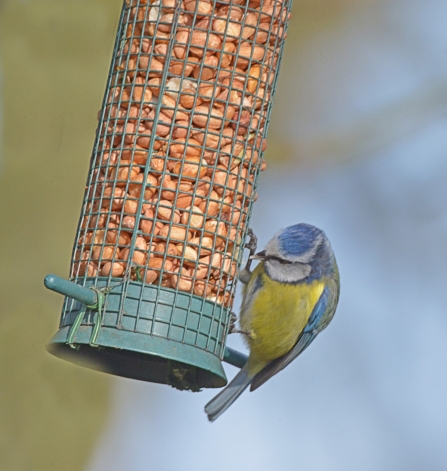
143	332
142	357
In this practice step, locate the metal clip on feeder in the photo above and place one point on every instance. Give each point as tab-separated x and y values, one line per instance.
172	181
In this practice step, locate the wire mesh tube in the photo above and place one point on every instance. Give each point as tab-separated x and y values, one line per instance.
177	157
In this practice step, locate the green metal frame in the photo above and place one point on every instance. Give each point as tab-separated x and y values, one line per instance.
157	332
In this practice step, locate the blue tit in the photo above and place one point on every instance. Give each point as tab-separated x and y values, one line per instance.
288	299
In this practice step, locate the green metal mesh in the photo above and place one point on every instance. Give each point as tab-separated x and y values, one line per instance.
175	163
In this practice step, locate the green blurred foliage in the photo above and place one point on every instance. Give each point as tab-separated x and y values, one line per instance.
54	60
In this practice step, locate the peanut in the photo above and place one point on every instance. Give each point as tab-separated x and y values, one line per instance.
175	233
193	217
191	167
113	269
188	254
200	7
182	279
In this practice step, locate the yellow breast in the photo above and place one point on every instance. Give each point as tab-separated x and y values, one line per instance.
277	317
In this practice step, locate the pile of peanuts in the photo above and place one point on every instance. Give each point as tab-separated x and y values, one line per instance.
179	142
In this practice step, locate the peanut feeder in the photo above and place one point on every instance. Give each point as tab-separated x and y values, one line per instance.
172	180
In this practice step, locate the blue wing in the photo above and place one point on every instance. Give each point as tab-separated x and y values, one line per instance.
318	312
318	320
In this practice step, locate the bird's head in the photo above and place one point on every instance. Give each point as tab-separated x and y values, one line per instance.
297	253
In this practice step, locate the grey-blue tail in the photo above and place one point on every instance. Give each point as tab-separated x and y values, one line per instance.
220	403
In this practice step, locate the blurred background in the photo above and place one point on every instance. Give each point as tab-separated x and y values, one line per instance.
357	146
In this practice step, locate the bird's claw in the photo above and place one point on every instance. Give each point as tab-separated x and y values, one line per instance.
252	243
234	330
233	319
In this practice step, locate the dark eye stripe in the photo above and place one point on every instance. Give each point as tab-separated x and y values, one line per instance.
278	259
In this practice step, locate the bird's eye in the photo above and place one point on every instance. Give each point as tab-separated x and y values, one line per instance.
284	262
278	259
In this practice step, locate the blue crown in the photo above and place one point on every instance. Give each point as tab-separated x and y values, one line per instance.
298	239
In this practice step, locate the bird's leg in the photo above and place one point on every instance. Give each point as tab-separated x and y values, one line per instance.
251	245
233	319
233	329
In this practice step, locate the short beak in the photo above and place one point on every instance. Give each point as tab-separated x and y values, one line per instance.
259	256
